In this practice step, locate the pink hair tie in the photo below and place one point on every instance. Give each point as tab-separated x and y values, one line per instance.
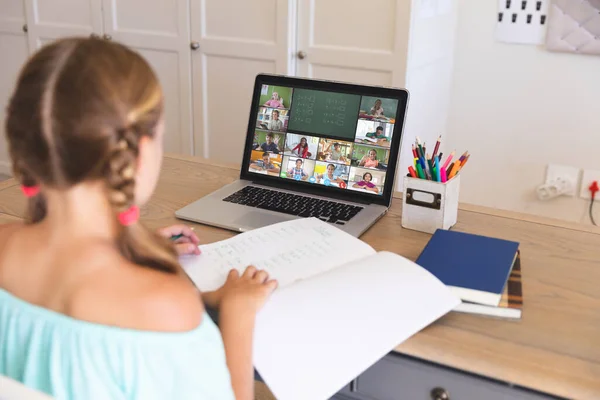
129	216
30	191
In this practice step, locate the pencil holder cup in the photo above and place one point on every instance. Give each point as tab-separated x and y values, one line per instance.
429	205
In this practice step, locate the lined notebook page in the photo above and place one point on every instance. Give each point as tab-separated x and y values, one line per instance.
288	251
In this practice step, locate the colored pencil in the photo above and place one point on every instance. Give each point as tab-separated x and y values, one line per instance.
414	152
430	163
420	171
420	147
462	164
412	171
437	170
445	166
454	169
437	146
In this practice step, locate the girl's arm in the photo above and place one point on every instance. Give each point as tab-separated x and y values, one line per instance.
237	330
239	300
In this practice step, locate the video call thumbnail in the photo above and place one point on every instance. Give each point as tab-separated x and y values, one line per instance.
272	119
262	162
370	157
297	168
302	146
275	96
374	133
366	180
334	151
268	141
330	174
379	109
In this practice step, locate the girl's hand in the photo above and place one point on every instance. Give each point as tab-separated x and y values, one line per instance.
246	293
185	240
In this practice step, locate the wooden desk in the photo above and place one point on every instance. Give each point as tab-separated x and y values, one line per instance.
555	348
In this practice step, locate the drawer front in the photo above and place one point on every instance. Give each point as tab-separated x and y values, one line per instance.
397	377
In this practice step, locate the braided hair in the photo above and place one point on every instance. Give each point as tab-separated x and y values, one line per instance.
78	113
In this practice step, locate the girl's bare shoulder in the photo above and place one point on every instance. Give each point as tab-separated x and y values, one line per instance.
137	297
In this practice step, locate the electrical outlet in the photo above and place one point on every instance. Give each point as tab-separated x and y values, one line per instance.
589	176
568	174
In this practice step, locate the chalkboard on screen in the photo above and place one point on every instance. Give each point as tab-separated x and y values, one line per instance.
324	113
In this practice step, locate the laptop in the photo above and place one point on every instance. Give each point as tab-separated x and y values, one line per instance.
313	148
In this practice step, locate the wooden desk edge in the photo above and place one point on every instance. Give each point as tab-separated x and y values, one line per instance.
8	183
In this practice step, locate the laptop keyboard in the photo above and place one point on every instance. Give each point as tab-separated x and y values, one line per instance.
293	204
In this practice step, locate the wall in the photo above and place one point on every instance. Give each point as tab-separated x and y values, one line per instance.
517	108
15	50
429	77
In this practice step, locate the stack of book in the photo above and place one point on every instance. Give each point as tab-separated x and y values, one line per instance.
484	272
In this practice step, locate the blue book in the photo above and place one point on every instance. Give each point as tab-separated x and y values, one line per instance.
475	267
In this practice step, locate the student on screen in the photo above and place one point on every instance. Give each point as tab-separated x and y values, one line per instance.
297	172
330	176
275	101
378	134
377	109
366	183
271	144
275	123
265	164
369	160
335	154
301	149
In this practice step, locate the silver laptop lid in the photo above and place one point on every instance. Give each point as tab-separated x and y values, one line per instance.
327	138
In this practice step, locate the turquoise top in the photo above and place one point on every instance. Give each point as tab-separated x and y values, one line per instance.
73	359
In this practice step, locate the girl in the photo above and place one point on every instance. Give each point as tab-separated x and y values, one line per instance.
301	149
330	175
377	109
366	183
369	160
101	308
275	101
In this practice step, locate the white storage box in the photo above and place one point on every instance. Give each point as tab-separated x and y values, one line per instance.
429	205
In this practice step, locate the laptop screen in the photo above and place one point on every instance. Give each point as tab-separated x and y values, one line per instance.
337	140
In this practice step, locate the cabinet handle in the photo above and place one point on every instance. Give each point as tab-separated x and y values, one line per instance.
25	28
95	36
107	37
301	55
354	385
439	393
194	45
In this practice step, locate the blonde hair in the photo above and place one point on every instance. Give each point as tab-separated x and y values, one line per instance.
77	114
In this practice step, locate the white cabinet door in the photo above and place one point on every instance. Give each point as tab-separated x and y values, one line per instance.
236	41
14	48
52	19
354	40
159	31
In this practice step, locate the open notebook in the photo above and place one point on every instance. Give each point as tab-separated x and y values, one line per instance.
339	308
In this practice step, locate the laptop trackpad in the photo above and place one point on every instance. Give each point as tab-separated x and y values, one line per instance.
253	220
